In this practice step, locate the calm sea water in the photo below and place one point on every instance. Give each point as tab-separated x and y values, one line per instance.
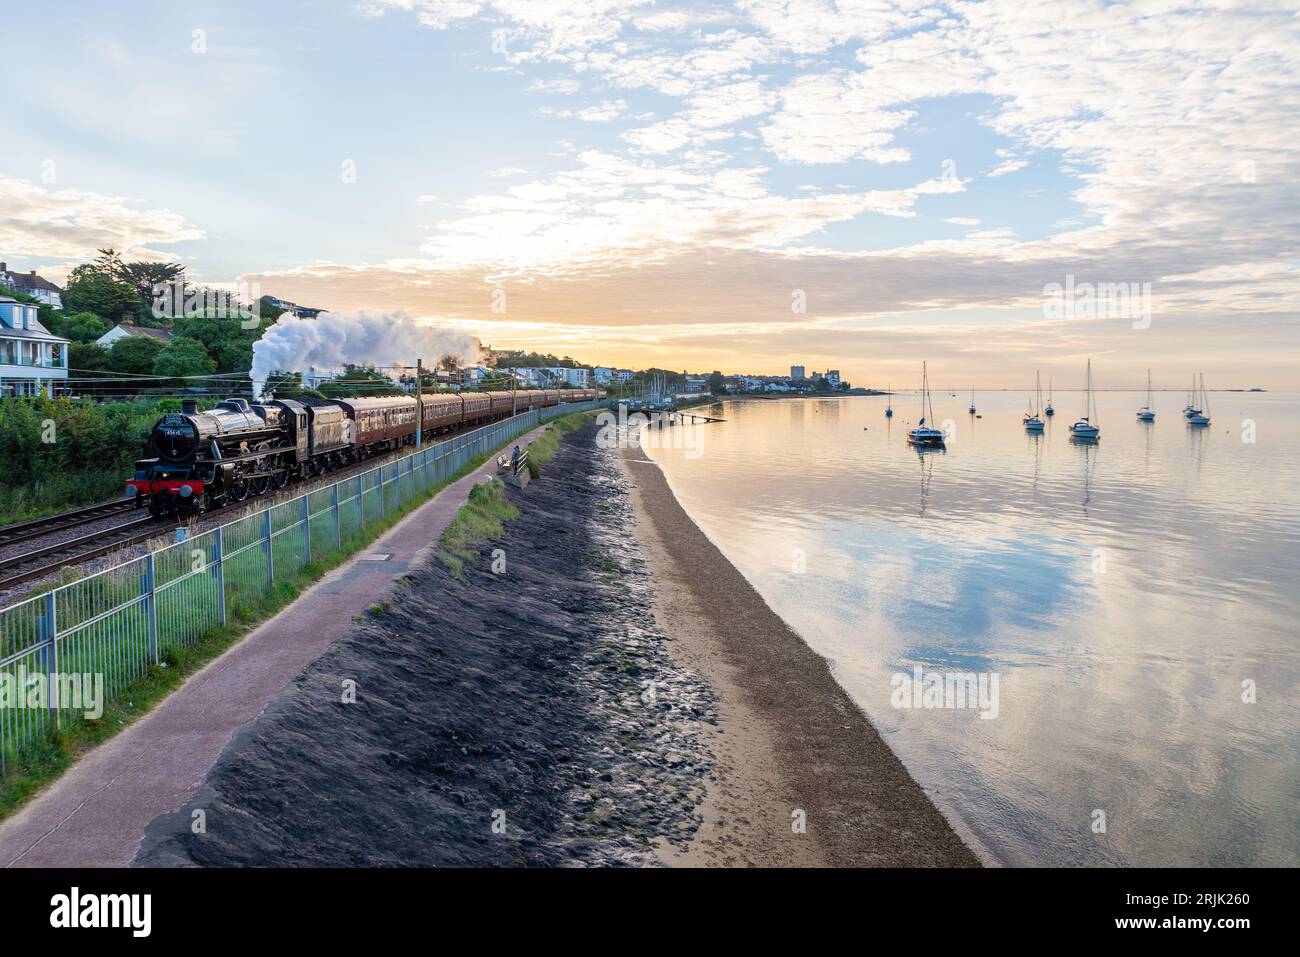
1122	592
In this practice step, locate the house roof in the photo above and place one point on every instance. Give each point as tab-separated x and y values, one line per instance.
22	280
42	334
133	330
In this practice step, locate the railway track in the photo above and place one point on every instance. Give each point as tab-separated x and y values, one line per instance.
40	527
43	561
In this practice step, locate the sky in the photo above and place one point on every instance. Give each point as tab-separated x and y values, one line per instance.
743	186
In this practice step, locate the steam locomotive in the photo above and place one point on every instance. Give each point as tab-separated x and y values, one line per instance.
236	450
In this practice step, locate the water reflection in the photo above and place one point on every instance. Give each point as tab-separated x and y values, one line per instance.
1123	590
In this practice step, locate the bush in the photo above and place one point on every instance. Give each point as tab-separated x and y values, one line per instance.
60	453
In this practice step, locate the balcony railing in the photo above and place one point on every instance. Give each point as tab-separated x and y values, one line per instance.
8	360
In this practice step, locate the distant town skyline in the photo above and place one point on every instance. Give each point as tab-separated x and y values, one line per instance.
993	187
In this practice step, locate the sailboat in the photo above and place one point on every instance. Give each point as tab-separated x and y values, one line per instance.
1146	413
1033	423
1201	416
923	435
1190	408
972	400
1049	410
889	403
1086	429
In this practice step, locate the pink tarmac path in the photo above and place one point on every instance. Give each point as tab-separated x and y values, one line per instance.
96	814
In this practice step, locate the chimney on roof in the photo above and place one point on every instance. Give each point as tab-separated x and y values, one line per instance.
4	267
33	272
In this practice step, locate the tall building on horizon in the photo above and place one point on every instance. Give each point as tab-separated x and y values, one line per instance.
797	372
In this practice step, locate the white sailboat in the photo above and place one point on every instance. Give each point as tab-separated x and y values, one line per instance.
1033	421
972	400
1086	430
1201	416
1190	409
1048	410
923	435
1146	413
889	402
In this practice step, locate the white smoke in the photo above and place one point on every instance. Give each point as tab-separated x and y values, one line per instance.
333	341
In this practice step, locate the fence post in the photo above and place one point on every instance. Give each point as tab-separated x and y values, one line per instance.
52	669
219	543
151	603
306	526
338	525
270	552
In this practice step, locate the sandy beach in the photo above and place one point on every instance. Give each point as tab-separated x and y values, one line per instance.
788	739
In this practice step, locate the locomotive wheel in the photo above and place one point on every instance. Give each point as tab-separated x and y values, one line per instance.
261	485
199	503
239	491
280	479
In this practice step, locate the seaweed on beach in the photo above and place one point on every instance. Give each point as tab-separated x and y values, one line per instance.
529	716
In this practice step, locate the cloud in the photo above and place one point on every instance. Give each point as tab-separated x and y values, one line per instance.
602	112
1173	125
71	224
1008	166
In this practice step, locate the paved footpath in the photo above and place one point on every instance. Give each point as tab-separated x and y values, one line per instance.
96	814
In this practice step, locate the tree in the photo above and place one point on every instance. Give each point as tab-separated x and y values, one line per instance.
182	358
135	355
88	357
715	381
143	276
91	291
288	385
359	381
83	327
822	384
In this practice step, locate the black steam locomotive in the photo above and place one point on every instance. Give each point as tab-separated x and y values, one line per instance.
238	449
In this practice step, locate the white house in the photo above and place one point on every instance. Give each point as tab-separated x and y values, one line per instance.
32	285
31	359
551	377
124	329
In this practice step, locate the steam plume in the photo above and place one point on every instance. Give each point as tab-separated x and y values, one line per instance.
332	341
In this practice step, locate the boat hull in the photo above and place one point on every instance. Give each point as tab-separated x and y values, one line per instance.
925	438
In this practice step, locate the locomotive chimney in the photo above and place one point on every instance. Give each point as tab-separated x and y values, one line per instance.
189	406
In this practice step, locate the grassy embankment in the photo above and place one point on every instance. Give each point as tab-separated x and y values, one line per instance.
481	518
35	768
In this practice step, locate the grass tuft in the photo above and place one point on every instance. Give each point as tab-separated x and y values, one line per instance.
479	520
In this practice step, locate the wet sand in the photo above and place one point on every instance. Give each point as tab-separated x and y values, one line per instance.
789	745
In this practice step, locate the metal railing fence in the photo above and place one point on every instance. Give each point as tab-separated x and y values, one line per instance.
118	622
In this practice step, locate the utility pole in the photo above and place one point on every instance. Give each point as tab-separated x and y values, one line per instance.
419	403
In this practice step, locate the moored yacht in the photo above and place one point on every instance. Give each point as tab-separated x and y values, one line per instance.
1146	413
1033	421
923	435
1086	429
1201	415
